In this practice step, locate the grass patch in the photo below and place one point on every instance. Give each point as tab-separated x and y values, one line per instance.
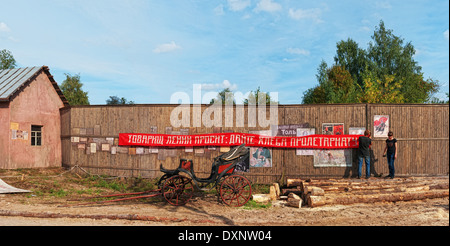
260	189
250	205
58	193
57	183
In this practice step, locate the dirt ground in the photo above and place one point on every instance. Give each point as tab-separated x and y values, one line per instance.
204	209
207	211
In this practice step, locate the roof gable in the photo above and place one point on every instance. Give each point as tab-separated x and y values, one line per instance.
12	80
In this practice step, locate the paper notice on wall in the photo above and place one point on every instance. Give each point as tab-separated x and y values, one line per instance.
105	147
19	134
6	188
14	126
93	148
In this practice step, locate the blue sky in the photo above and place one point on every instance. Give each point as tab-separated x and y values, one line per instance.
147	50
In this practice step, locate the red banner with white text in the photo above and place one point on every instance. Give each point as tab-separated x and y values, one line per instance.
232	139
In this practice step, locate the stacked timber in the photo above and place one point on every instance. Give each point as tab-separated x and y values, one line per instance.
315	193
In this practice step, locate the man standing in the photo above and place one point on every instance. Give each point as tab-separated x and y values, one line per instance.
391	151
364	153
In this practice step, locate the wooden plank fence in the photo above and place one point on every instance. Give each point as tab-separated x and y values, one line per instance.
90	133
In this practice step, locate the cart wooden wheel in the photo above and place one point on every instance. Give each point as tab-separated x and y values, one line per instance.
235	190
177	190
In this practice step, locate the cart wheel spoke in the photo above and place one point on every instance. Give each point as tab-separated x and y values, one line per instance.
235	190
177	190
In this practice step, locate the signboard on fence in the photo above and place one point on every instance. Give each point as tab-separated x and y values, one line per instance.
233	139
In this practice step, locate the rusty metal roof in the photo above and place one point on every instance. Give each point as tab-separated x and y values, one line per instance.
11	80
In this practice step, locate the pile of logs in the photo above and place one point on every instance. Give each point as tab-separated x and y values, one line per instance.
315	192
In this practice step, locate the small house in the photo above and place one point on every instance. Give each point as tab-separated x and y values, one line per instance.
30	126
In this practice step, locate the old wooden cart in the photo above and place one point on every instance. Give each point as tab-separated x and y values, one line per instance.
177	186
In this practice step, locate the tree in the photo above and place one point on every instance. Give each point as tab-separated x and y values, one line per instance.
386	69
224	97
437	100
71	88
115	100
259	97
352	58
388	56
7	60
336	85
384	90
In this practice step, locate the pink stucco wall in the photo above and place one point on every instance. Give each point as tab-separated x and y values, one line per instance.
4	134
36	104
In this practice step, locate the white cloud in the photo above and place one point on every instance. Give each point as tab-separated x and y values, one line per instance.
219	10
168	47
220	86
313	14
383	5
4	27
238	5
297	51
446	34
268	6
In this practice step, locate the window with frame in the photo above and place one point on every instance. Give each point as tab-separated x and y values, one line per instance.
36	135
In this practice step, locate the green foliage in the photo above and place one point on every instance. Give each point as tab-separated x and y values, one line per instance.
336	85
224	97
7	60
115	100
384	90
71	88
58	192
259	97
384	73
251	204
352	58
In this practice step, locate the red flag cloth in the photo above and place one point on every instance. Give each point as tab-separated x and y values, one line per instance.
232	139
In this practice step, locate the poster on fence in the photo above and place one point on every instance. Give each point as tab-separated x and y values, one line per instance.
380	126
243	165
261	156
333	128
356	130
287	130
332	157
301	132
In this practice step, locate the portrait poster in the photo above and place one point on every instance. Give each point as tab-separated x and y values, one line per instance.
380	126
260	156
305	132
